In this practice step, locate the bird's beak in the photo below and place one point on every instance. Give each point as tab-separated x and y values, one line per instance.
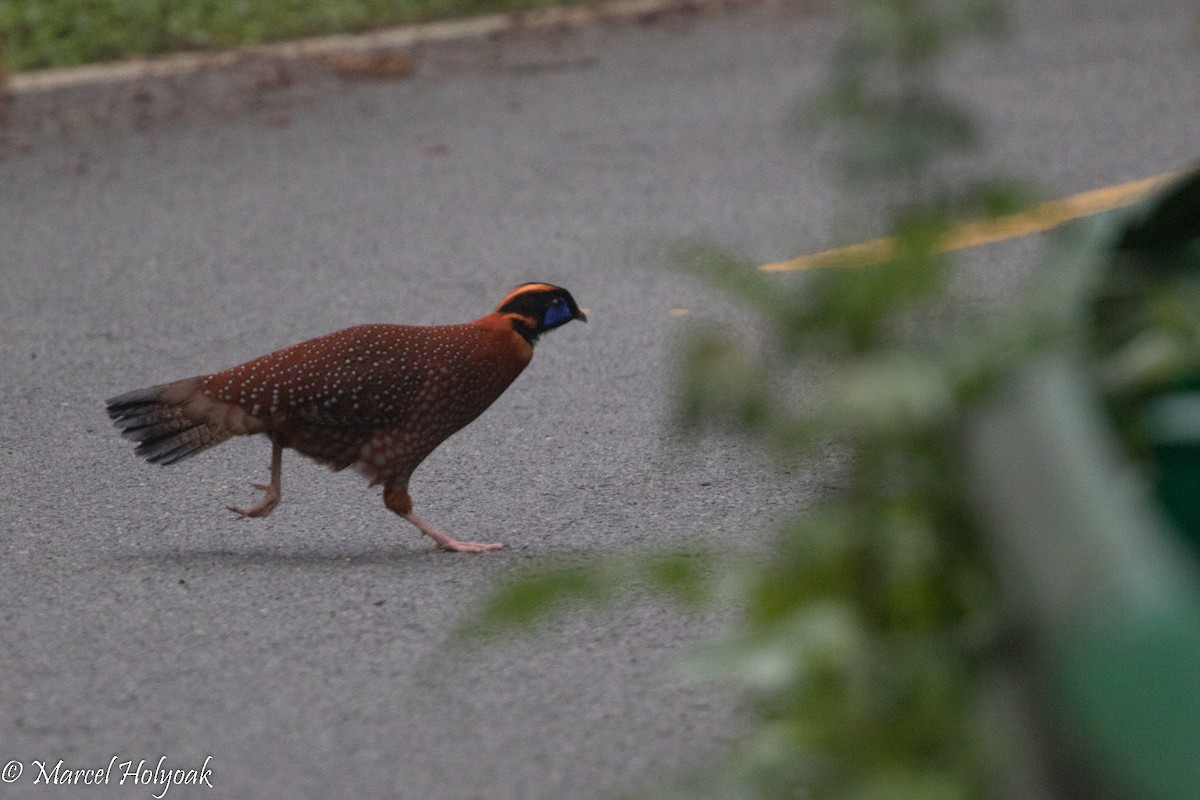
581	316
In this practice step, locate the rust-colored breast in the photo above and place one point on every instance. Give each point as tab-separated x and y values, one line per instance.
381	396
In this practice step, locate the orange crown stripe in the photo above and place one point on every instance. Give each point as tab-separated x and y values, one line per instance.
529	287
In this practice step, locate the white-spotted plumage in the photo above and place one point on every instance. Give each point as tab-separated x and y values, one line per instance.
379	398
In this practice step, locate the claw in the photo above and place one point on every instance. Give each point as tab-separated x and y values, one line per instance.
263	508
455	546
273	489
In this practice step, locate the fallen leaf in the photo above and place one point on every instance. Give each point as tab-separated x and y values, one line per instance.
383	65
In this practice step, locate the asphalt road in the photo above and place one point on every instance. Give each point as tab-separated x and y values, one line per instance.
305	653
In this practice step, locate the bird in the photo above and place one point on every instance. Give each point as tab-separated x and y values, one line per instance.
379	398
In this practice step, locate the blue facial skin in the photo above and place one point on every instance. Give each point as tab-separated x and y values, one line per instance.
557	314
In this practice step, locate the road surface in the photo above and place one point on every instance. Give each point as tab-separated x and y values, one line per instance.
305	655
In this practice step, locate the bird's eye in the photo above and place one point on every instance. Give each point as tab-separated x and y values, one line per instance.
556	313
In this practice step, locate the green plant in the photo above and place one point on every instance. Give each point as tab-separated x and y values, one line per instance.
866	628
60	33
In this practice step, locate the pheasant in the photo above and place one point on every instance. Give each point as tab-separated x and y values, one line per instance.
379	398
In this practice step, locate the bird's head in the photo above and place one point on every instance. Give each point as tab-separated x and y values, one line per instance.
534	308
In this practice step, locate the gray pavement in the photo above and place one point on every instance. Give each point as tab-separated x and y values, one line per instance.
305	653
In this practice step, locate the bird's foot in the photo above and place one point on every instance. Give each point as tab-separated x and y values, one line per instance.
445	541
265	506
455	546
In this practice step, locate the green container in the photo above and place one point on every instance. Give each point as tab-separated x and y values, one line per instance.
1097	554
1096	579
1172	425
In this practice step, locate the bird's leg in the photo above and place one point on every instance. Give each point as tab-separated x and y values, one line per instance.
397	500
274	490
447	542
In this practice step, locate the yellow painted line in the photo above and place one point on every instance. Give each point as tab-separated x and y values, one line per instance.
973	233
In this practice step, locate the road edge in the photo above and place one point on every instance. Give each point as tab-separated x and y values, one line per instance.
395	38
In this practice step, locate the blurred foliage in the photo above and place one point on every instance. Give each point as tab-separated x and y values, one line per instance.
1146	312
60	33
865	628
1145	339
883	93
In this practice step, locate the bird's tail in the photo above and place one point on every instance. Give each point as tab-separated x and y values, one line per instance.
170	422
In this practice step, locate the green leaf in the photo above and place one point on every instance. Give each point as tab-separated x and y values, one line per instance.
891	396
538	595
684	577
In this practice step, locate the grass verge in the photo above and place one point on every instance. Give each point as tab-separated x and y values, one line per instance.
36	34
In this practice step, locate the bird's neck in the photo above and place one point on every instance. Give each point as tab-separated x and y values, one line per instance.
523	325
